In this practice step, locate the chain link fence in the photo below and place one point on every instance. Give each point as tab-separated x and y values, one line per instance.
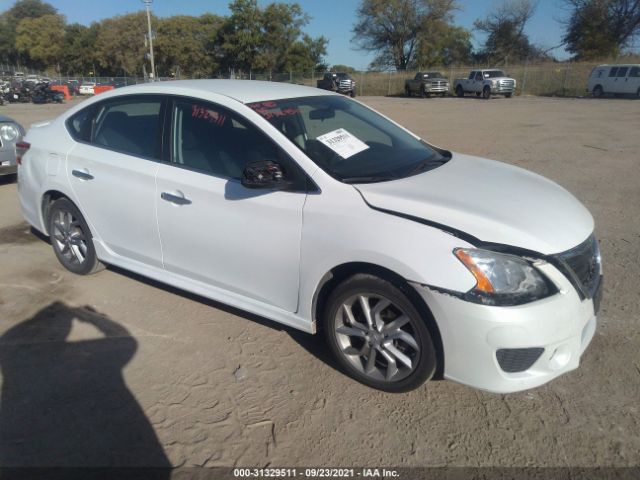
567	79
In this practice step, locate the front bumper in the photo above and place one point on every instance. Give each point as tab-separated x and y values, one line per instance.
8	160
437	89
561	325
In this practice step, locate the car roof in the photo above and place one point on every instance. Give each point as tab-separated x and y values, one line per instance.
245	91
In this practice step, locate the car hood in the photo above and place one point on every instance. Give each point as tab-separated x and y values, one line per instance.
489	200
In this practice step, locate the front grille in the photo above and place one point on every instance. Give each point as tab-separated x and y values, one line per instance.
507	83
583	263
345	83
513	360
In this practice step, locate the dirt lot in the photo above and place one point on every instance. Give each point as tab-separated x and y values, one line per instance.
190	382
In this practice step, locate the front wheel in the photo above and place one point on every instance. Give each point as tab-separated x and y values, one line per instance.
508	95
486	93
598	92
459	91
71	239
352	93
407	91
378	335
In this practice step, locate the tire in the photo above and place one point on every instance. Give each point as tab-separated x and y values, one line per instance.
407	91
508	95
71	238
486	93
478	94
352	94
459	91
423	94
598	92
403	355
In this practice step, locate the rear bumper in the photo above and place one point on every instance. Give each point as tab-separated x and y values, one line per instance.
484	346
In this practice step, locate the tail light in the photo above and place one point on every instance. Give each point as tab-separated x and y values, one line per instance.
21	149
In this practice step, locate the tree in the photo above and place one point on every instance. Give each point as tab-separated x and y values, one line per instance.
342	68
504	26
241	34
9	21
79	55
42	39
442	44
185	45
269	38
120	45
392	28
601	28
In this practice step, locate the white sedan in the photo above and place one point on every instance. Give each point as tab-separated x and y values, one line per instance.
313	210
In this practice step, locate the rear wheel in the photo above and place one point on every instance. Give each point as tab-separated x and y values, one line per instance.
598	92
71	238
459	91
486	93
378	335
478	94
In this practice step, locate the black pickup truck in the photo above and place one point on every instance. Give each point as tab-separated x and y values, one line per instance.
338	82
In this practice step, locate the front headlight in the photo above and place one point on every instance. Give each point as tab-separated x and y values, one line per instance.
502	279
9	132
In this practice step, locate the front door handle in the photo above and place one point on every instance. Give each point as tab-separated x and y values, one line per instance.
82	174
177	198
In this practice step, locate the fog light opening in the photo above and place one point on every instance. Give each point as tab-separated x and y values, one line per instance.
560	358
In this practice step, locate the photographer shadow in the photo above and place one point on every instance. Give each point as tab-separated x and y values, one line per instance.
65	403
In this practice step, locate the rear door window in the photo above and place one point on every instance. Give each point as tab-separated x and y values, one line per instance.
634	72
129	125
622	72
613	72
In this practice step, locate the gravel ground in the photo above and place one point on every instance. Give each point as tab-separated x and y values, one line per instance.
114	369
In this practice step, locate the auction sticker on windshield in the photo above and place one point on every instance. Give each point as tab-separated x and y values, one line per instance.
343	143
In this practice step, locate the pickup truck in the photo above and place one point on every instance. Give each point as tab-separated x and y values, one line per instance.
485	83
426	83
338	82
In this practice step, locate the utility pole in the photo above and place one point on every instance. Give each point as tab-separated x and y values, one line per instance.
153	63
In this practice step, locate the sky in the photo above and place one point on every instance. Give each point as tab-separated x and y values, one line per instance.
332	18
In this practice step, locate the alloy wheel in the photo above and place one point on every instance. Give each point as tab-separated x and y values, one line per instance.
377	338
69	237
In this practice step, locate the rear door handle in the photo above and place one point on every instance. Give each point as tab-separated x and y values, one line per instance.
177	198
82	174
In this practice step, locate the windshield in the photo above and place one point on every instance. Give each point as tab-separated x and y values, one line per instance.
493	73
343	76
349	141
433	75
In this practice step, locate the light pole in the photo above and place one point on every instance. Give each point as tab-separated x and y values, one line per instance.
153	63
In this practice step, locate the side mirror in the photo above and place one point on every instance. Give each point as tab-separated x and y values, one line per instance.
265	174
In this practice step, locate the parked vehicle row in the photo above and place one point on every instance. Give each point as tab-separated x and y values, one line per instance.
308	208
27	92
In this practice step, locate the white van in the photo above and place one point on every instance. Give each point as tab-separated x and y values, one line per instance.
616	79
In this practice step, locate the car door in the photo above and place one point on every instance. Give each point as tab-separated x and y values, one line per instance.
610	82
632	82
213	229
620	82
112	170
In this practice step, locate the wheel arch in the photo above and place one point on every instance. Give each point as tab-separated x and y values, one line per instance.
47	200
339	273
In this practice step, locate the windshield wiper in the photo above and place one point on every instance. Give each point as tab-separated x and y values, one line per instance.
425	164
